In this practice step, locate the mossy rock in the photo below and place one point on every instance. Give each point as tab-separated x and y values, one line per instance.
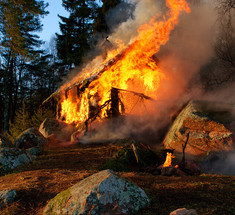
58	202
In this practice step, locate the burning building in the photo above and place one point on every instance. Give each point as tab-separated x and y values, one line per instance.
129	75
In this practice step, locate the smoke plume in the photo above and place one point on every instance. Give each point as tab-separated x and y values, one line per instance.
189	48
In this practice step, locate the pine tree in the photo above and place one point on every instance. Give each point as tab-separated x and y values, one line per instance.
19	21
76	31
22	122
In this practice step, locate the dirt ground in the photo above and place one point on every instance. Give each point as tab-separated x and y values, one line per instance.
61	167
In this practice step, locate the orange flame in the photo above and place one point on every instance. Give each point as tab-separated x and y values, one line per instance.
135	69
168	161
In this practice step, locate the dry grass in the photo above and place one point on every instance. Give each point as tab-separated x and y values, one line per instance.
59	168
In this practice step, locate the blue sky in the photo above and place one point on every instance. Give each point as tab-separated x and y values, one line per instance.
51	21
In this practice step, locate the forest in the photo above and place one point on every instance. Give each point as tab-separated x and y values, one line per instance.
29	74
129	109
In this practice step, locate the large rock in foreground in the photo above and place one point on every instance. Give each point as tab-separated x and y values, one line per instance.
60	130
12	157
102	193
209	126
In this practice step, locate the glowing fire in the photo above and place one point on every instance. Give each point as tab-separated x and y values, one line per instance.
168	161
134	70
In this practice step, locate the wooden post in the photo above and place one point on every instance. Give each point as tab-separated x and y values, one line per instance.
114	110
135	153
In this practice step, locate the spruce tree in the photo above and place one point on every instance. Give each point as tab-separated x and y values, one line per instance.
76	31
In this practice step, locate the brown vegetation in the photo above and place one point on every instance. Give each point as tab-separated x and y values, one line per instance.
59	168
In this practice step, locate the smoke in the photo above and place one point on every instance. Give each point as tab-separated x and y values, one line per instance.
220	163
189	48
144	11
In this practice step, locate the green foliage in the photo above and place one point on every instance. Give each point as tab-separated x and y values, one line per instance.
39	116
124	160
19	20
23	120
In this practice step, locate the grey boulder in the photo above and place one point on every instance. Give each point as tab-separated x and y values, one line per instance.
60	130
31	139
13	157
102	193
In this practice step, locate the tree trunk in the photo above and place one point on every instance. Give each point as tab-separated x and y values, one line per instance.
8	82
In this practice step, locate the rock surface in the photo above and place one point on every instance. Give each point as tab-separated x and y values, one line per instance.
61	130
184	211
208	125
30	138
102	193
7	196
5	142
13	157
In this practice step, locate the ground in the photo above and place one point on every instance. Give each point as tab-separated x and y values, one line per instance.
61	167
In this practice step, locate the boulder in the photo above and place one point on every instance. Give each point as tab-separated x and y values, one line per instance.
7	197
5	142
61	130
209	126
13	157
35	151
184	211
102	193
30	138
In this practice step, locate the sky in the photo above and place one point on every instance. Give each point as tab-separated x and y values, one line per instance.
51	21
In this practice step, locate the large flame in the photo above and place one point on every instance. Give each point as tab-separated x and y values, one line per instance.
134	70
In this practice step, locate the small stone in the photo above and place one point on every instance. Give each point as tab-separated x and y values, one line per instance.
7	196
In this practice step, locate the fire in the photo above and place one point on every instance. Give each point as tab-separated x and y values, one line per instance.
134	70
168	161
